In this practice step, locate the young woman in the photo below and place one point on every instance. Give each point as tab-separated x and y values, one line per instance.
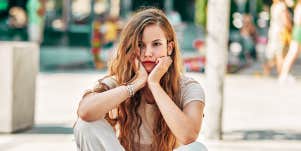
294	49
145	103
278	37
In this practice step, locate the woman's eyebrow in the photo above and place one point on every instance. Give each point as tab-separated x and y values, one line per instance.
157	40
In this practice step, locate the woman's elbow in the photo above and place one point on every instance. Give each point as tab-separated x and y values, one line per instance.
84	114
190	138
88	115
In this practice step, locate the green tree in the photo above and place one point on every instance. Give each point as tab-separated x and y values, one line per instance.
201	12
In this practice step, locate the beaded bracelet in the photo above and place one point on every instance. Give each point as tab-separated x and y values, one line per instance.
130	89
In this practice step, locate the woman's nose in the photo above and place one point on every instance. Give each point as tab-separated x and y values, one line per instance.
148	52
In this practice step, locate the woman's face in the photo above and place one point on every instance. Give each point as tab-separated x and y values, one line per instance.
153	45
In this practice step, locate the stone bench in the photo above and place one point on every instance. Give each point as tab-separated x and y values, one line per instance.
19	65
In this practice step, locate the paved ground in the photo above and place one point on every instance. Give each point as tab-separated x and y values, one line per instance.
259	114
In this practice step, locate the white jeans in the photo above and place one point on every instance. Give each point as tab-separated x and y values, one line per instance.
100	136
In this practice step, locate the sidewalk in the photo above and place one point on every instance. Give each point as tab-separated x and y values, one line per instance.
259	114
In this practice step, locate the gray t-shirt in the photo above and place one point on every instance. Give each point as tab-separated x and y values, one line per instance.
191	90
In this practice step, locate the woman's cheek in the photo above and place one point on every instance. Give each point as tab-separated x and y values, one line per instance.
160	53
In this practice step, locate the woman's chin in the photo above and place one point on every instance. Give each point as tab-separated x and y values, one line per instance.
149	67
149	70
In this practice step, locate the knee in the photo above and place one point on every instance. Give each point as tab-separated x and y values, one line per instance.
195	146
84	130
88	135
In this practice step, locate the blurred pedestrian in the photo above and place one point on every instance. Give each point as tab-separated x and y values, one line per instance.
97	42
278	36
110	31
294	48
36	18
249	35
145	100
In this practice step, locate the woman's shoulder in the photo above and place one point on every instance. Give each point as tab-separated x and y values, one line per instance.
105	83
191	90
185	80
110	81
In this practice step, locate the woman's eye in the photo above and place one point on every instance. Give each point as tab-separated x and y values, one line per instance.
157	44
140	46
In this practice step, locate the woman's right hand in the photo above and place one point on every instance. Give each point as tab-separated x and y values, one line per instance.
141	76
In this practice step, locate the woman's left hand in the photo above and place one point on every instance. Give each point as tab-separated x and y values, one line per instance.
160	69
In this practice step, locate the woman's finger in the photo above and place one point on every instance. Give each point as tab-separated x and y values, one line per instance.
137	63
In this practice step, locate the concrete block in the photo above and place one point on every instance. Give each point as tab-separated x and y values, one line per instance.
19	66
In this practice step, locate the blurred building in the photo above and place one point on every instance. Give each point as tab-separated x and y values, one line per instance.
71	23
67	21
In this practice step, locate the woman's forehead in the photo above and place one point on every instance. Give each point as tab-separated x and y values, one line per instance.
152	33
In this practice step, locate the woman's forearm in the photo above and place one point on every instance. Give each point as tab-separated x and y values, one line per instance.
173	116
96	105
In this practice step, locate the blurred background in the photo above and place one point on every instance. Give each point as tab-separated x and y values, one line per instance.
75	40
74	31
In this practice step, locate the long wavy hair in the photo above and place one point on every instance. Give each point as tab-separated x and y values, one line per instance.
122	67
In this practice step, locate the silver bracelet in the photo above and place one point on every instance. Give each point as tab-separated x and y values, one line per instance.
130	89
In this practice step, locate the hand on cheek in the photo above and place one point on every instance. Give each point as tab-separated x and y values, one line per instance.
141	75
162	65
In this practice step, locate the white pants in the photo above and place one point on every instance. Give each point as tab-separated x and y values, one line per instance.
100	136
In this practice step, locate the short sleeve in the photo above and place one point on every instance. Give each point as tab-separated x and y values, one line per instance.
109	81
191	90
103	84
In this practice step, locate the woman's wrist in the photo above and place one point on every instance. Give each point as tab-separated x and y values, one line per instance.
133	87
153	84
138	84
131	90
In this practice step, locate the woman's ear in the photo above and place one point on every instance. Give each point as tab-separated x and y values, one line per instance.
170	47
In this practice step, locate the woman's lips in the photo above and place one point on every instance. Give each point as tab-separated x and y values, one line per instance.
149	65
